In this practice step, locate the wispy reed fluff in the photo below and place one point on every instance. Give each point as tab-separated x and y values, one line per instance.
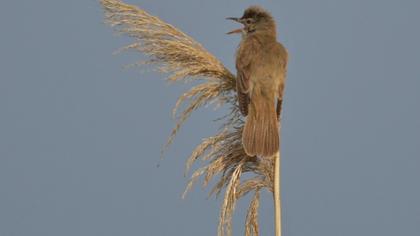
183	59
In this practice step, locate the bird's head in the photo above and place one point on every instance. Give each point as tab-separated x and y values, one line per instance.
255	20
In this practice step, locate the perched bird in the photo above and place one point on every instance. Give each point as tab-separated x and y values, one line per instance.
261	64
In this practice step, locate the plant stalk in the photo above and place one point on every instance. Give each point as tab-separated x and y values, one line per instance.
276	194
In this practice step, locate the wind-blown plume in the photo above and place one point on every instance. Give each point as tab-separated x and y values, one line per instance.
183	59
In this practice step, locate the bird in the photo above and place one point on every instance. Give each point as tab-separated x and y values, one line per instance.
261	64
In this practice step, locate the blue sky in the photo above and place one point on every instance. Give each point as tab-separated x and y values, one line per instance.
80	136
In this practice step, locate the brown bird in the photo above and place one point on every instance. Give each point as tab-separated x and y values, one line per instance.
261	64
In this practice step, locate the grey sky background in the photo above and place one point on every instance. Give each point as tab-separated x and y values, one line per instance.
80	136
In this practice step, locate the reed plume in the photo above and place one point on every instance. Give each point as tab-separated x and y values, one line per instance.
181	58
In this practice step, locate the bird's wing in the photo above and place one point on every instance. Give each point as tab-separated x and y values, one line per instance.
174	53
242	90
243	65
283	59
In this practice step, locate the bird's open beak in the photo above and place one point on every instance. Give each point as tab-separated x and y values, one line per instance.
236	31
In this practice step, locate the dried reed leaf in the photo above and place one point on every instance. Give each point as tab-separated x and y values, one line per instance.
251	223
208	143
229	202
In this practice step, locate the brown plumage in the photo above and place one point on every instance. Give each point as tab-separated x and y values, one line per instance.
261	71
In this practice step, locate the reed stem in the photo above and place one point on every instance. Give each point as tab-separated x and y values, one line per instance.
276	195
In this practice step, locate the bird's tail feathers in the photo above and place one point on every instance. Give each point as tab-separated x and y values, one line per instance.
261	135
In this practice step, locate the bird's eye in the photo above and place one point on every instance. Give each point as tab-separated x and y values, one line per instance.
248	21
